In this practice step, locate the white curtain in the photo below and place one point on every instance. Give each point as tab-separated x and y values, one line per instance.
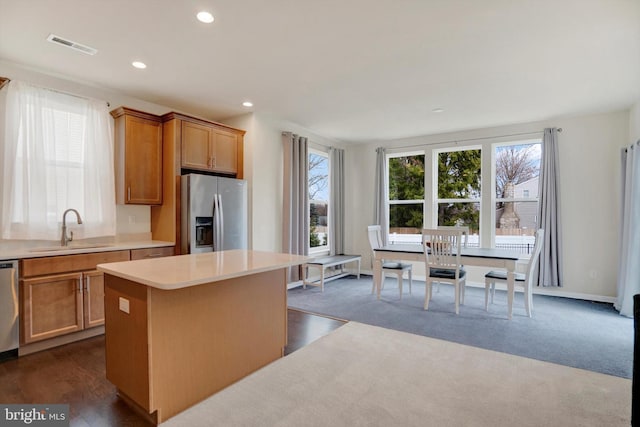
336	231
295	218
550	264
629	266
381	191
57	154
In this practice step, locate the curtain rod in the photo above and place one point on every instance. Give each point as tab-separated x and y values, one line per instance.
311	141
5	80
471	139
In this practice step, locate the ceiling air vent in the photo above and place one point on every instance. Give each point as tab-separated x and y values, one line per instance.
71	44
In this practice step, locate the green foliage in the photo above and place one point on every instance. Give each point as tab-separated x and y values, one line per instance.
459	174
406	178
459	177
406	182
314	239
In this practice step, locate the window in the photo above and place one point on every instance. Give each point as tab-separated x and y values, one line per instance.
318	201
452	194
516	179
406	197
58	154
458	191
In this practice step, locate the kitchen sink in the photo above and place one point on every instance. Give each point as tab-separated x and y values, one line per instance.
70	247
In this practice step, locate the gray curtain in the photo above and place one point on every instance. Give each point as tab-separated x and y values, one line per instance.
629	267
295	218
336	231
381	191
550	265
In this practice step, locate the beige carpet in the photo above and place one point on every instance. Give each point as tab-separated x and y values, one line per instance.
362	375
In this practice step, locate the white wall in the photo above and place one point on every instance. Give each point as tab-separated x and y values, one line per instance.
264	168
589	150
634	123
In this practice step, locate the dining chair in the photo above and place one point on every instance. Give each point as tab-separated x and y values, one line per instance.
442	262
464	229
522	280
391	267
465	239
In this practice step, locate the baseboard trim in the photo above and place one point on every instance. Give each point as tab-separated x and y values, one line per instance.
25	349
550	291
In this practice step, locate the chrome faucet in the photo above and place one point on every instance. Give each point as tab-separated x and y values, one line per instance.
64	239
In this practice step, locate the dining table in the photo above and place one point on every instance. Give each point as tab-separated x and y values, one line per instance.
481	257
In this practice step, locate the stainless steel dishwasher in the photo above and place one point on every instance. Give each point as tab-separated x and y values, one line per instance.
8	310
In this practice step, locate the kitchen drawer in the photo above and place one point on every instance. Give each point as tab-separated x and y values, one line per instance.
151	252
68	263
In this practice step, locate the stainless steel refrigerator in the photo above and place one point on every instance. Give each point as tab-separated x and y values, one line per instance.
213	213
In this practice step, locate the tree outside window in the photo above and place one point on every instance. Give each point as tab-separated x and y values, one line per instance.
516	207
318	200
406	197
459	182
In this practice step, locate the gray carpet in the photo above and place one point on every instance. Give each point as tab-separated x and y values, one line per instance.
576	333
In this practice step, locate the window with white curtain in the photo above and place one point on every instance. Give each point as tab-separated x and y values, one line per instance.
57	154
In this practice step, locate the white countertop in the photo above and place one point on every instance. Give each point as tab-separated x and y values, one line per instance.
189	270
46	250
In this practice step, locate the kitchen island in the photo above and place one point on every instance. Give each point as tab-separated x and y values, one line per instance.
181	328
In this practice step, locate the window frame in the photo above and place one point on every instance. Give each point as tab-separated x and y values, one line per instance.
487	198
495	199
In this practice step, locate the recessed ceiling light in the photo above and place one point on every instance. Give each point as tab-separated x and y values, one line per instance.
247	104
138	64
437	110
205	17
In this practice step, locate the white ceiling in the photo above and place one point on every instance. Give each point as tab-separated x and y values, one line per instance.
353	70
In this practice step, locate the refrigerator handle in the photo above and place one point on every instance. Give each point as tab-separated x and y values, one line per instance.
215	222
221	219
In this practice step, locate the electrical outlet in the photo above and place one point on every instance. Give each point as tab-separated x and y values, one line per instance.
124	304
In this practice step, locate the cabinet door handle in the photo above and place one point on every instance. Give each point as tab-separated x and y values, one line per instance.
154	255
80	285
213	161
88	282
129	194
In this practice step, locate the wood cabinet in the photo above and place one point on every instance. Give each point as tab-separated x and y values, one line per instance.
138	157
207	148
147	253
62	294
174	348
51	306
93	298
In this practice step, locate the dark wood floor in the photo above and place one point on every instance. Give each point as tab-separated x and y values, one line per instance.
74	374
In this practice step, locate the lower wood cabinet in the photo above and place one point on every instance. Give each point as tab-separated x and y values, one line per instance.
93	298
64	294
56	302
51	306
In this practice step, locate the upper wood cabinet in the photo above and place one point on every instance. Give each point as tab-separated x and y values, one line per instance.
138	157
208	146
